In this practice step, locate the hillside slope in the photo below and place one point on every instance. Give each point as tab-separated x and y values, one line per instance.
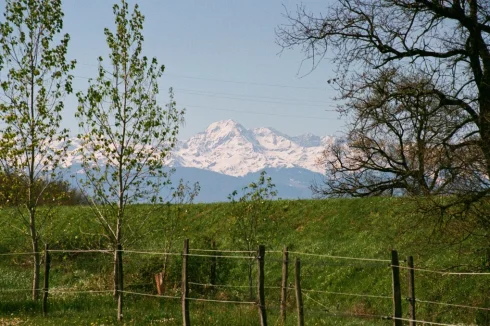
358	228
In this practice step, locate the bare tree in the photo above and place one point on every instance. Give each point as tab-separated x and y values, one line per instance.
400	140
446	42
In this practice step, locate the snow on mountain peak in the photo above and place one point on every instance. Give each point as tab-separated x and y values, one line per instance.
224	126
229	148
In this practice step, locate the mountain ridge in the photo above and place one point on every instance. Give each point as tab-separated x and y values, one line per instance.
229	148
227	156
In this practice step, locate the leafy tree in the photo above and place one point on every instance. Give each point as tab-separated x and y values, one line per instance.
399	141
35	78
128	136
14	191
249	214
183	194
446	42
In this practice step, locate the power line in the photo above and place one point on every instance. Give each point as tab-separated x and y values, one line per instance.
231	81
191	106
259	113
254	96
249	98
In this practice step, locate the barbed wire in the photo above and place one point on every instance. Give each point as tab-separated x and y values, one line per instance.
80	251
225	250
339	257
222	301
143	252
54	291
452	305
440	272
345	293
20	253
219	285
219	256
152	295
17	290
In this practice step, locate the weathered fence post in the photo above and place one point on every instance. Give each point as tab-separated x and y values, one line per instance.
397	295
186	320
284	284
411	291
261	289
299	294
47	265
212	276
120	282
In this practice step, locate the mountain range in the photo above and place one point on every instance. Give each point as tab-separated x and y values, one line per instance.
227	157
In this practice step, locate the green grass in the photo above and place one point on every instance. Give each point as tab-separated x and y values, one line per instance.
368	228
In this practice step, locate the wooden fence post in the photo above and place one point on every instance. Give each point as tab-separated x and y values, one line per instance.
47	265
212	276
284	284
186	320
397	296
411	291
261	288
299	295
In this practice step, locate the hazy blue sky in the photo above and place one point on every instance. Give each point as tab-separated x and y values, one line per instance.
221	59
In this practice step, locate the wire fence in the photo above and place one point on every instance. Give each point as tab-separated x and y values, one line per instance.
242	283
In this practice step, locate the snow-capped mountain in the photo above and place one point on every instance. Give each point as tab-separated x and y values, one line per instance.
227	157
229	148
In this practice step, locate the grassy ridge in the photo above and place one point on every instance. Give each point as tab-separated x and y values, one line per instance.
367	228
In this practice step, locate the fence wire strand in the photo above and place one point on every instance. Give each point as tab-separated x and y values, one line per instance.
219	256
423	322
440	272
16	290
20	253
80	251
225	250
346	294
152	295
152	252
340	257
452	305
222	301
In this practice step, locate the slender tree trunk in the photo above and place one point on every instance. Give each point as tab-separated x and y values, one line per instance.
116	272
118	277
36	257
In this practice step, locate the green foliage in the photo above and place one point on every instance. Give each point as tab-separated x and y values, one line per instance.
249	215
250	210
36	79
14	191
128	136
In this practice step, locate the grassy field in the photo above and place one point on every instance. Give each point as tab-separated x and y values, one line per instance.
364	228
